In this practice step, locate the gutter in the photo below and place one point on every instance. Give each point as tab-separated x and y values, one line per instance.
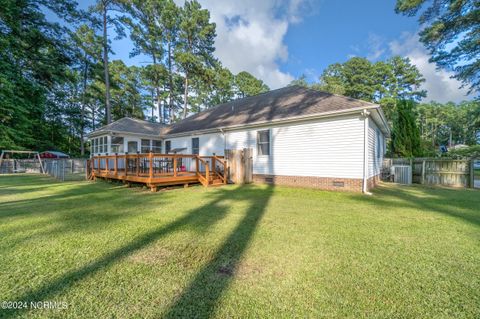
98	133
280	121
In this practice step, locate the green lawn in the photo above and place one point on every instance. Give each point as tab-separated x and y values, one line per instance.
253	251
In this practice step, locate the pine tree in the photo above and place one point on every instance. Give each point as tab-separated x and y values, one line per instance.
194	52
405	133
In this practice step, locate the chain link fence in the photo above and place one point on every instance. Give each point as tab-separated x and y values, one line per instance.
68	169
73	169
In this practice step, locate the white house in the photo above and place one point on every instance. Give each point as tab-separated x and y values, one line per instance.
299	137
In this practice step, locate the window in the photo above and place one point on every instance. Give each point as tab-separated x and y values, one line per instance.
145	146
263	142
117	144
132	146
101	145
195	145
168	146
379	144
95	145
156	146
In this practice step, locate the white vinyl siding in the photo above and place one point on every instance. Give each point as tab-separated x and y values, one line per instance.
324	148
376	149
208	144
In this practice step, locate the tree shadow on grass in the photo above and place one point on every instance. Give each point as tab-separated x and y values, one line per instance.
73	209
201	218
461	204
200	298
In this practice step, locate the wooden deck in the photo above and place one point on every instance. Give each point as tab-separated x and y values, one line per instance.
160	169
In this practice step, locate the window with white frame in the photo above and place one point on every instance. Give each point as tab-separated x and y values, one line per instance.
168	146
263	142
195	145
117	144
145	146
103	144
156	146
132	146
379	144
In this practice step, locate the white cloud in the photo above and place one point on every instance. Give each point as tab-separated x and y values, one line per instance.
439	84
376	48
373	48
250	35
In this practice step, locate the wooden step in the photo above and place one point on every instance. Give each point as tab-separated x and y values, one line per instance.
217	181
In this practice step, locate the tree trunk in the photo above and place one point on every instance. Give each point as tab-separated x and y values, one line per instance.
157	89
93	118
153	104
82	112
170	83
185	104
108	114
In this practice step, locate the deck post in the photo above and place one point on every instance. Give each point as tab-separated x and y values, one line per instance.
106	165
207	174
116	164
125	163
150	168
213	166
175	165
138	164
197	165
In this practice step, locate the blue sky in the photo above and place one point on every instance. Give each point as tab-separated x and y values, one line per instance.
279	40
341	28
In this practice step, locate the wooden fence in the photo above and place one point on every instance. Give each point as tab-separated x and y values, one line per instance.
434	171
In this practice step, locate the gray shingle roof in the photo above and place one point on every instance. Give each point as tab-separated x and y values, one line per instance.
278	104
284	103
131	125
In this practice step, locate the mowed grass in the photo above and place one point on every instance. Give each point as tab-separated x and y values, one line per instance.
238	252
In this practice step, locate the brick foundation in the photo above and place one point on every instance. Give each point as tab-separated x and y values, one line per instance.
373	181
326	183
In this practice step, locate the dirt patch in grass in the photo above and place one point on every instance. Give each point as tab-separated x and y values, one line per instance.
157	256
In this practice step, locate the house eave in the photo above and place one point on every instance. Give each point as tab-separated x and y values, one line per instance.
270	122
113	132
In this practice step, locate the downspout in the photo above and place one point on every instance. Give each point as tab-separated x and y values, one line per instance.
365	115
224	140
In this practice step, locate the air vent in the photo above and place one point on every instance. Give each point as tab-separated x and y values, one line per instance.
269	180
338	184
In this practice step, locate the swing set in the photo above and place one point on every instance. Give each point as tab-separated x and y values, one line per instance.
16	165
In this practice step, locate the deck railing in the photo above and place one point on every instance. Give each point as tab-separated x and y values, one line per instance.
153	168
